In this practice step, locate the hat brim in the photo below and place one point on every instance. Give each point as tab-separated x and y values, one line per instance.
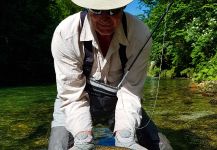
102	4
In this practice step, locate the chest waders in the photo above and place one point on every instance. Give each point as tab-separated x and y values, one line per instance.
103	97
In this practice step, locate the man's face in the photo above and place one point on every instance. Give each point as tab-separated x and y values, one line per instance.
105	22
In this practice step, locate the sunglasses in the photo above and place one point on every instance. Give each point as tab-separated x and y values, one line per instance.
111	12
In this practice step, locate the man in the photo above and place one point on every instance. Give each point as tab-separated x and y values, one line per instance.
75	107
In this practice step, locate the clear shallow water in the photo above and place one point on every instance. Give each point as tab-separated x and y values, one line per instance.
176	96
182	113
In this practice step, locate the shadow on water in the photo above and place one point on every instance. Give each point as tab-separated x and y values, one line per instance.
186	140
198	136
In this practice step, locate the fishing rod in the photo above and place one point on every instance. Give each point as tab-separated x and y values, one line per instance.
156	26
99	87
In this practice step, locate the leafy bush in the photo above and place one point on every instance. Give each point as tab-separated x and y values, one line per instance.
190	41
188	72
206	71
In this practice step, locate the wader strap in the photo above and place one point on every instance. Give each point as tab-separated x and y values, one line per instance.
88	58
123	57
122	49
88	49
82	17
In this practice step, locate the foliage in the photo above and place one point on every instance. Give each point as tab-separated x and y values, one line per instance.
188	72
26	31
191	29
154	71
207	71
168	73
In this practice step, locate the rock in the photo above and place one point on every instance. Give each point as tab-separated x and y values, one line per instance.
207	94
213	101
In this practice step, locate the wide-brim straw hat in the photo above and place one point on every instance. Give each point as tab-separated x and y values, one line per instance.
102	4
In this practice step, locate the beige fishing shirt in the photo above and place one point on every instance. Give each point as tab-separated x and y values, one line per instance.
72	108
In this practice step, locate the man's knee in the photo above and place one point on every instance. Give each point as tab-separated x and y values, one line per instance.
59	138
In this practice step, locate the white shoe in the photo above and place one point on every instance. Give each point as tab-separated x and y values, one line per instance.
125	138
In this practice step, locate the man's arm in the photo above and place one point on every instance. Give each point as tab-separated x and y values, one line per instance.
128	109
71	82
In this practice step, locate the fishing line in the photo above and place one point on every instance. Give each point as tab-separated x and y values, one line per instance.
148	39
159	75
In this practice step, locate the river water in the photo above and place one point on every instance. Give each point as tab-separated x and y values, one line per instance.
181	112
187	118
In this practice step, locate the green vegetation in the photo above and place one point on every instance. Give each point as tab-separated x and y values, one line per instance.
190	41
26	28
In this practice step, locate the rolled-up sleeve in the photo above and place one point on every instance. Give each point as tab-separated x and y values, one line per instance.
71	82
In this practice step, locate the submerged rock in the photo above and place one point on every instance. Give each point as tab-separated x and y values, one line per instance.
206	88
213	101
207	94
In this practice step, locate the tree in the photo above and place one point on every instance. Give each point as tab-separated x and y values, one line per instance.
26	31
190	35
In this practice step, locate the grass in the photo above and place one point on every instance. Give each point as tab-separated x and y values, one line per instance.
184	116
